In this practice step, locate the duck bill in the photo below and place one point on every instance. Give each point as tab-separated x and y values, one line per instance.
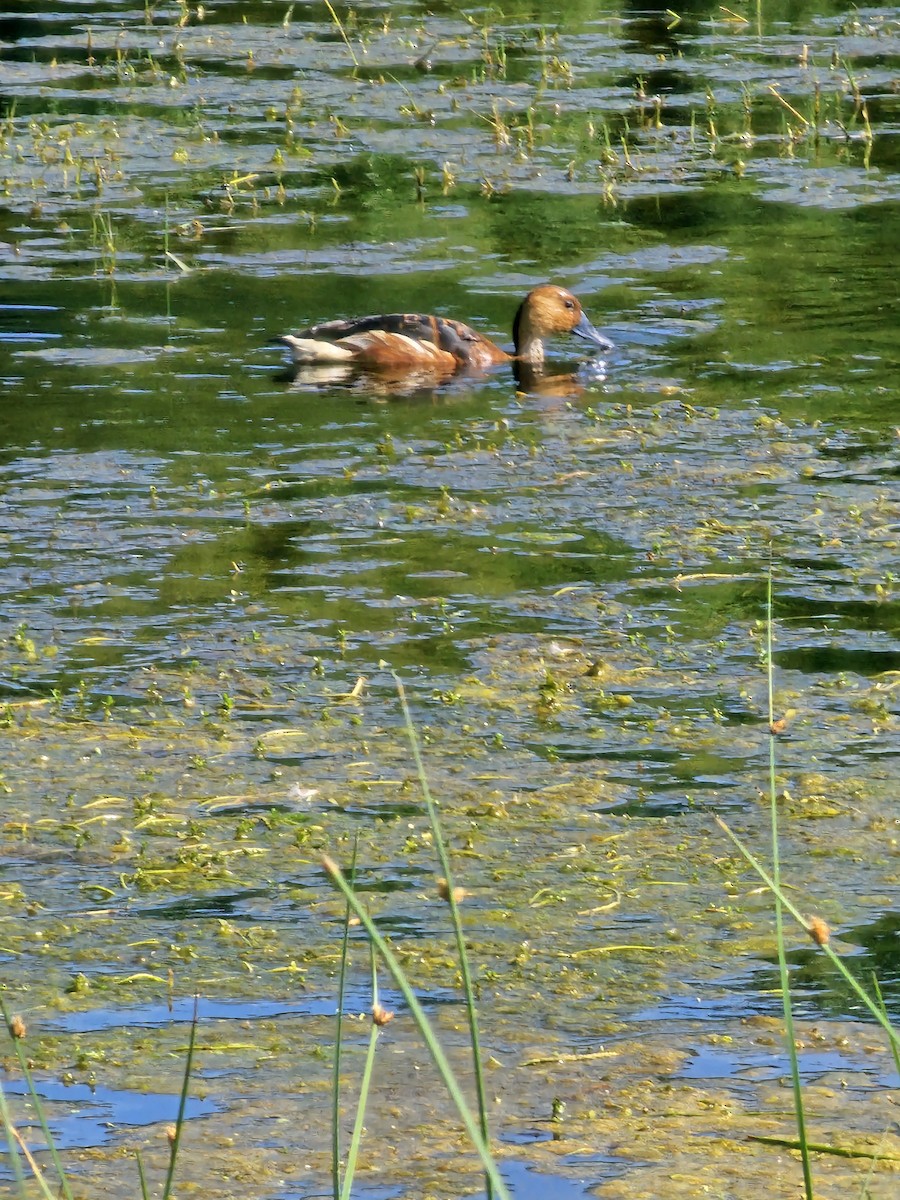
584	329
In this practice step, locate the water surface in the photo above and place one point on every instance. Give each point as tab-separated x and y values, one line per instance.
208	575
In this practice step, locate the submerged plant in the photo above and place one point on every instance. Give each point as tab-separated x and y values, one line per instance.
104	239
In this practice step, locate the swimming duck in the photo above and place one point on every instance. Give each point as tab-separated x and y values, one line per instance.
417	341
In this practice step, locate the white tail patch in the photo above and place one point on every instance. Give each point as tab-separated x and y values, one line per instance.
312	350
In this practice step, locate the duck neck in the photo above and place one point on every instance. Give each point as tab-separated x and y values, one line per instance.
529	345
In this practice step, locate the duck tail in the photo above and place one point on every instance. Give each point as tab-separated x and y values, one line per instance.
313	350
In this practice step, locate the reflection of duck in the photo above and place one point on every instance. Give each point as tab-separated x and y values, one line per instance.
568	385
411	341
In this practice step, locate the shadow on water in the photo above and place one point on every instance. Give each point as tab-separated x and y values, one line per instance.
820	990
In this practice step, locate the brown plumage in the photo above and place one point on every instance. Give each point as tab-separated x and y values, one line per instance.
419	342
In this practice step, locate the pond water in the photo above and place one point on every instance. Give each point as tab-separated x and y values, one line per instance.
210	574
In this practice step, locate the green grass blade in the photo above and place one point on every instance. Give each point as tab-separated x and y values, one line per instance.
358	1124
882	1008
142	1178
182	1105
365	1084
434	1047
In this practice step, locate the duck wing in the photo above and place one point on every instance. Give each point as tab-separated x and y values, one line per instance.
395	338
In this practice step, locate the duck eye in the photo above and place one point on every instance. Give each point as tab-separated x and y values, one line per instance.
569	303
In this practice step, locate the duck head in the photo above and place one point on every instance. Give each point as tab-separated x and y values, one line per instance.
548	311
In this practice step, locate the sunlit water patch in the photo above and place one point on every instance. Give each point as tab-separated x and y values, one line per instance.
149	1016
81	1115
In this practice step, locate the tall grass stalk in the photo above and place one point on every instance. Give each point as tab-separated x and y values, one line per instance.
65	1189
339	1042
182	1104
17	1145
444	859
435	1049
364	1086
814	926
14	1142
796	1084
341	31
142	1177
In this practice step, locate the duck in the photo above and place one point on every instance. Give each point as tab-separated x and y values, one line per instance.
421	342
